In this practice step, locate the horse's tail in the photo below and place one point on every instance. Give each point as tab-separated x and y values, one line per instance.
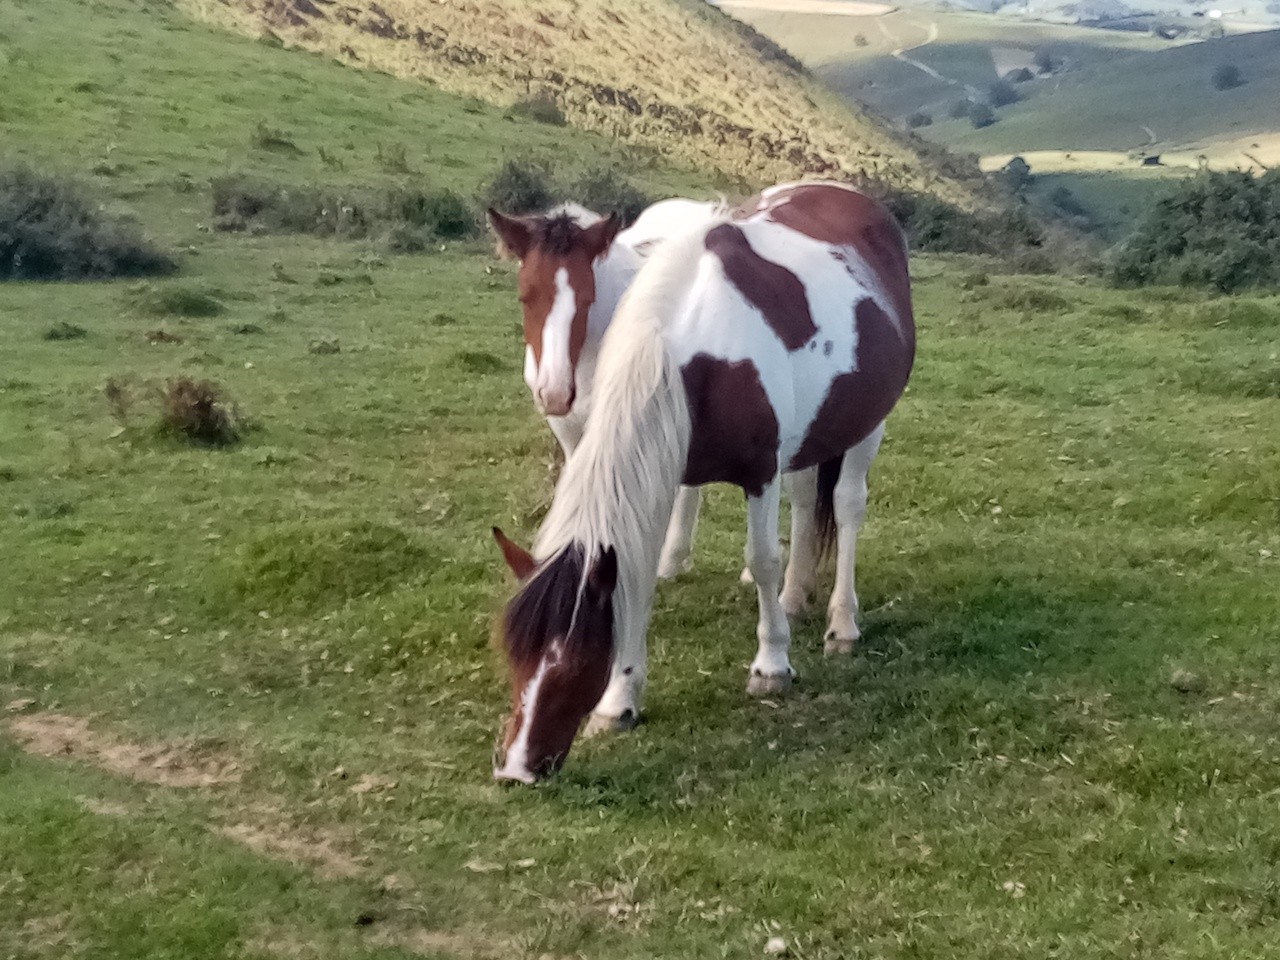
824	507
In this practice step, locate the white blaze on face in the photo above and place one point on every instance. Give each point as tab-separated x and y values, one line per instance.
552	382
515	765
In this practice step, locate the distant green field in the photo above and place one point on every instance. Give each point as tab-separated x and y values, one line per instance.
1104	106
247	699
971	49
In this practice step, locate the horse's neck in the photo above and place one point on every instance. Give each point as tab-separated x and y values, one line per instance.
619	486
614	273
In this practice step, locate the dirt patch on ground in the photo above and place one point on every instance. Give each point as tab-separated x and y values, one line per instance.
166	764
279	841
292	944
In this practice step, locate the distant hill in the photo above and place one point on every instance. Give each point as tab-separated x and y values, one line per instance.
676	76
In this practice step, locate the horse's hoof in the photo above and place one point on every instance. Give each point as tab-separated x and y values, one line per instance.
599	723
838	647
769	685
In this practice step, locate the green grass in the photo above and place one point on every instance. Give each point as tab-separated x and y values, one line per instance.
1078	497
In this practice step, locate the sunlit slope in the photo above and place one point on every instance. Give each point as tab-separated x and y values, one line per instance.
676	76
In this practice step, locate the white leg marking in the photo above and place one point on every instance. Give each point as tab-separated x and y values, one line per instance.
802	490
771	670
679	543
619	708
851	509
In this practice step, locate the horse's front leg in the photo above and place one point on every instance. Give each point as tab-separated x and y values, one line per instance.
619	708
674	559
568	431
771	670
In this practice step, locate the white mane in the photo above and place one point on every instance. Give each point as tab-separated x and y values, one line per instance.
575	212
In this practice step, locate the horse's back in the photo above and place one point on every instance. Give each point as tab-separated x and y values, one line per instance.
798	333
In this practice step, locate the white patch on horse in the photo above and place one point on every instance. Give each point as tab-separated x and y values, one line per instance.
515	764
553	388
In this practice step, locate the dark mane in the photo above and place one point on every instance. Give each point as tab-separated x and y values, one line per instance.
543	609
559	235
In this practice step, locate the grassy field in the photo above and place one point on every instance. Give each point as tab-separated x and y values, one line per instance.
246	695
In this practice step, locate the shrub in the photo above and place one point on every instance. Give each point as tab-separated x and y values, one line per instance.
65	331
520	186
603	190
271	138
442	214
393	158
540	107
1001	94
1215	229
933	225
981	115
198	410
919	119
1226	76
960	109
1065	201
408	218
1015	175
1021	75
1045	61
49	230
859	40
175	300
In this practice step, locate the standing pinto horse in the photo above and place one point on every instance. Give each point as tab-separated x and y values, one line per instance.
777	338
574	268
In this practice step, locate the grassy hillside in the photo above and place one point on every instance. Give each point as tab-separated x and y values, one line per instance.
247	700
672	75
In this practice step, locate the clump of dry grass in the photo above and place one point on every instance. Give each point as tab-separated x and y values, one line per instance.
199	410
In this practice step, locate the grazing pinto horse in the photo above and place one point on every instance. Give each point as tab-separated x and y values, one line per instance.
775	338
574	268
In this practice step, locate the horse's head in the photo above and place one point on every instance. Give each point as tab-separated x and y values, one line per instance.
557	633
557	254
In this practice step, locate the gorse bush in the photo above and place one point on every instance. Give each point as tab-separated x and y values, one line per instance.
935	226
49	230
1001	94
407	217
521	186
540	107
1226	77
200	411
1219	230
919	119
981	115
606	192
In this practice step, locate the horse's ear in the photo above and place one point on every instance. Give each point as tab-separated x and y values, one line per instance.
599	236
515	236
518	558
603	577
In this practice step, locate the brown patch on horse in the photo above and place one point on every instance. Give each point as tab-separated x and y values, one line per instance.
856	402
734	430
559	628
848	219
772	289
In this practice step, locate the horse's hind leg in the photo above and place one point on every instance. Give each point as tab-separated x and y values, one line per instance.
674	558
797	587
771	670
850	510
